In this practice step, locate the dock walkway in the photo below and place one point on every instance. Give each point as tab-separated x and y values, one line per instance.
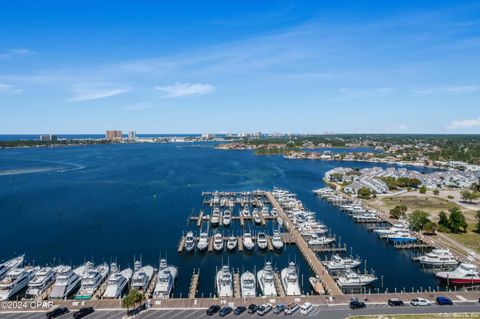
192	291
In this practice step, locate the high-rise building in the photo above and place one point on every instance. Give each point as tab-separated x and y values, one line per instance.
132	135
114	135
48	138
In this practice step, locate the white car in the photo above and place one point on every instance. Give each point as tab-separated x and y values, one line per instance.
264	309
420	302
291	308
306	308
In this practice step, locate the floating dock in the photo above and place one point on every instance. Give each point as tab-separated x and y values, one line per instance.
192	291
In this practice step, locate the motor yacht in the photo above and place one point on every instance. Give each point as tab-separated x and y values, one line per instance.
438	257
248	241
256	216
277	241
215	219
262	242
8	265
92	279
245	212
14	281
266	280
224	282
319	241
189	242
117	282
218	242
66	282
232	242
290	281
465	273
265	212
165	280
401	237
202	241
351	279
40	282
339	263
227	217
141	276
248	284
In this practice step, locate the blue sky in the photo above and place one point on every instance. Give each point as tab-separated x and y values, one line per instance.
218	66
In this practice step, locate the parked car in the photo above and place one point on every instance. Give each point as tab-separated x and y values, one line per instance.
394	302
291	308
252	308
213	309
57	312
355	304
306	308
279	308
441	300
239	310
264	309
83	312
225	311
420	302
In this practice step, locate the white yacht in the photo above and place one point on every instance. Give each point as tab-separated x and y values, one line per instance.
189	242
262	242
248	241
465	273
339	263
265	212
319	241
202	241
290	280
266	280
117	282
232	242
66	282
438	257
218	242
15	280
245	212
351	279
41	281
215	219
224	282
91	280
8	265
165	280
141	276
227	217
248	284
256	216
277	241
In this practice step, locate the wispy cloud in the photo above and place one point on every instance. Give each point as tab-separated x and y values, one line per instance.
457	89
9	89
15	53
352	93
95	94
464	124
185	89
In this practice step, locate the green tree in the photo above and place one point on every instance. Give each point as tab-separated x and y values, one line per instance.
436	192
133	298
365	193
398	212
423	189
477	227
430	227
469	196
456	221
443	219
417	220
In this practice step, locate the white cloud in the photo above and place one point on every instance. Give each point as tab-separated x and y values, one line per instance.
457	89
14	53
185	89
464	124
95	94
10	89
351	93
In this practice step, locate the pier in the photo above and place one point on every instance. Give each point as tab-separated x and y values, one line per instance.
192	291
306	251
278	284
236	285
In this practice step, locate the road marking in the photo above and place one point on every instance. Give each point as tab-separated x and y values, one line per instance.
461	298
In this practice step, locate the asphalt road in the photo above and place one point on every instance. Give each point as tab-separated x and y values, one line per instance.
324	312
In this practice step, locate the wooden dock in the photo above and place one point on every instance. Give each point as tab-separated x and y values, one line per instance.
200	219
236	285
210	244
415	245
240	243
329	249
269	243
192	291
309	255
278	284
181	244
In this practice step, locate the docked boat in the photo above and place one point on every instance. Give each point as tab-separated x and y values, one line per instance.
92	279
256	216
14	281
465	273
266	280
339	263
262	242
401	237
248	284
351	279
319	241
438	257
224	282
141	276
277	241
117	282
215	219
165	280
245	212
218	242
232	242
8	265
317	286
248	241
265	213
66	282
202	241
40	282
227	217
189	242
290	281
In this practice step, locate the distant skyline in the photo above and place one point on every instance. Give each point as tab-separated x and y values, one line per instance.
73	67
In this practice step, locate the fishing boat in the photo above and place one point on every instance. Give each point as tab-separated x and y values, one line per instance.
438	257
165	280
141	276
189	242
248	241
40	282
8	265
227	217
117	282
339	263
266	280
218	242
66	282
232	242
290	281
351	279
248	284
277	241
262	242
202	241
465	273
92	279
224	282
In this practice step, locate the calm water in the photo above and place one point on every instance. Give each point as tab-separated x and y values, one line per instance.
114	202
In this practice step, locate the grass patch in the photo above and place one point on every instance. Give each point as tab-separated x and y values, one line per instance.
469	239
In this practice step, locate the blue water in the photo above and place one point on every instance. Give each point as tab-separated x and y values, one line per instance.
111	202
17	137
